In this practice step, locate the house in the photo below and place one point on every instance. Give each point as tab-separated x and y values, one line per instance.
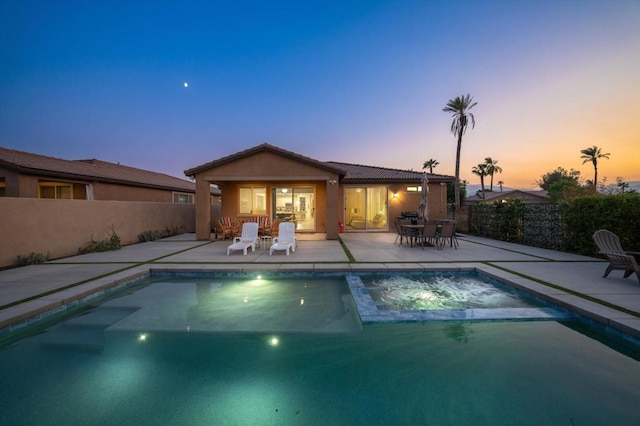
28	175
318	196
526	197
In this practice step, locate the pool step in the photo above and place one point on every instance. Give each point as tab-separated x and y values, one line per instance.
86	332
75	338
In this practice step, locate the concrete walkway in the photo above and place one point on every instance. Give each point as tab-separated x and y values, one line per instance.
571	281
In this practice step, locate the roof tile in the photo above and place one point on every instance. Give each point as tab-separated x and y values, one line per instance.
89	169
358	172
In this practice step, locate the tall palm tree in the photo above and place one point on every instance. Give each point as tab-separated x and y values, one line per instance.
430	164
593	154
492	168
459	110
482	171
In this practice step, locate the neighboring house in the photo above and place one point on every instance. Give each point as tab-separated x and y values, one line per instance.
526	197
28	175
318	196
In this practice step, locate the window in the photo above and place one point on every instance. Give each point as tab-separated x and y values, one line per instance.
414	188
3	188
253	201
59	191
182	198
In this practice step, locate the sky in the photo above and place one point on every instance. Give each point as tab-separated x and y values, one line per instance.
359	82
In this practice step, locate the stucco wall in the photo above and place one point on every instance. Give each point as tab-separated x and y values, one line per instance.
107	191
266	169
409	201
60	227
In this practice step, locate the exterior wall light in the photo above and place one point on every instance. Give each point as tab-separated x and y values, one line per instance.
333	182
395	195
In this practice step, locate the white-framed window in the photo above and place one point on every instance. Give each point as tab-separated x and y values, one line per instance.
55	190
414	188
253	200
182	198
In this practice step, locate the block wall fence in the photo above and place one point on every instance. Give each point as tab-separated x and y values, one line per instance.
61	227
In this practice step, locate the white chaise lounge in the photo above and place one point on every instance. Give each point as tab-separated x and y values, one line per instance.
247	239
286	239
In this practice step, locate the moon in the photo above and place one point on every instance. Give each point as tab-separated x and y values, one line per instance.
186	84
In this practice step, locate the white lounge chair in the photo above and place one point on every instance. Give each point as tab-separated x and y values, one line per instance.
286	239
247	239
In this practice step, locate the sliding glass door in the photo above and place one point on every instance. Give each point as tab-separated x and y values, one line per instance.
295	205
365	208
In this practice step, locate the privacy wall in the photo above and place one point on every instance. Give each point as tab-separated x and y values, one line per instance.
61	227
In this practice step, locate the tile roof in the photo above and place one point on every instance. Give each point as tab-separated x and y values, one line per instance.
361	173
261	148
492	195
94	170
352	172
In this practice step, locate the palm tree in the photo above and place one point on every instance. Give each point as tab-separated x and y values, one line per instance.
482	171
500	182
593	154
459	109
430	164
492	168
622	184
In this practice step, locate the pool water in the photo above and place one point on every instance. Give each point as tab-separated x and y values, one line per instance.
128	361
443	290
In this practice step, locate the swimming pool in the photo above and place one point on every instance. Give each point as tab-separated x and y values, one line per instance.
129	360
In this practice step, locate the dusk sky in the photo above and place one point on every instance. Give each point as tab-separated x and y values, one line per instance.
352	81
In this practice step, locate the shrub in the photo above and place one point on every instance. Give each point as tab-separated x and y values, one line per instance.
172	229
32	259
108	244
617	213
150	236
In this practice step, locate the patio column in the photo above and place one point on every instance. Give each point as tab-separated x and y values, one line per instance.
333	192
203	209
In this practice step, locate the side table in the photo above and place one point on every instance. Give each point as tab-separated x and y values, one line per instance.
264	240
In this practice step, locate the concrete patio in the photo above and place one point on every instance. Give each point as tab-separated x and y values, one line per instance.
571	281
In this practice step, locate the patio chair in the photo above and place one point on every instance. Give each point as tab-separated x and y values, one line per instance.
247	239
448	233
610	247
225	227
399	233
222	231
272	228
286	239
405	233
430	234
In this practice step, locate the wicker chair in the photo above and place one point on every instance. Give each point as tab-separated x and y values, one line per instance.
610	247
225	228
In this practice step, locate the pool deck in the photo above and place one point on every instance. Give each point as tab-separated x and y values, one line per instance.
571	281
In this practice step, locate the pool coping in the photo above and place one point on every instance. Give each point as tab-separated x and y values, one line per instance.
29	312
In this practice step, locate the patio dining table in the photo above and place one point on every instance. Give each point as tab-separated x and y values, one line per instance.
416	231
